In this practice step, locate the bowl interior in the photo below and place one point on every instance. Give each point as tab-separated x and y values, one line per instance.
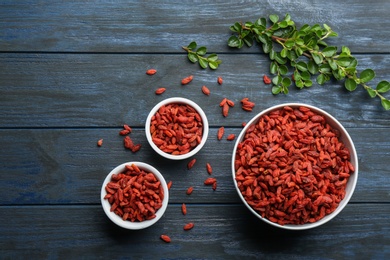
178	100
344	137
125	223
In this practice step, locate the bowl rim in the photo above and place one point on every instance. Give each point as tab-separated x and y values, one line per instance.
180	100
351	185
128	224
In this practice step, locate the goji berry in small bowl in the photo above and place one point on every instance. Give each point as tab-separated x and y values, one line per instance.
134	195
177	128
294	166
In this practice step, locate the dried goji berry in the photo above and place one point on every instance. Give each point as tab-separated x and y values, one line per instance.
266	79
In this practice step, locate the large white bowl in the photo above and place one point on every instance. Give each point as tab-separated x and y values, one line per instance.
344	137
178	100
126	223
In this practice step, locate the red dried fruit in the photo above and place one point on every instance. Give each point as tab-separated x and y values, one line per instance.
127	127
221	132
230	102
124	132
266	79
100	142
189	190
165	238
188	226
205	90
187	80
159	91
209	168
220	80
151	71
169	184
231	137
191	163
222	103
225	109
184	209
210	181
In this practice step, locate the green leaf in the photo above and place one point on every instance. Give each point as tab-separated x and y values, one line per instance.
344	61
272	54
248	40
212	57
299	83
283	53
297	75
305	75
329	51
321	79
317	58
289	43
192	57
267	47
201	51
263	38
386	104
213	64
383	86
302	66
371	92
312	67
276	90
367	75
277	80
345	50
283	69
192	46
274	18
350	84
286	82
308	83
279	59
203	63
274	67
332	64
283	24
234	42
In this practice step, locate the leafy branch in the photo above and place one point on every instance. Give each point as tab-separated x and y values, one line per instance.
198	55
306	52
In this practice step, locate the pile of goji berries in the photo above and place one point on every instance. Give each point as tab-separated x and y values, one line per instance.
291	166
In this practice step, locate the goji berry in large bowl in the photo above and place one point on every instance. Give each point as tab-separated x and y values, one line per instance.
177	128
294	166
134	195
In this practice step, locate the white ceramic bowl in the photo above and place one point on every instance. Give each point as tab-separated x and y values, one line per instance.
126	223
344	137
179	100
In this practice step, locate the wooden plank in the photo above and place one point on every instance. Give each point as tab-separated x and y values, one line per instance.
220	232
60	90
65	166
139	26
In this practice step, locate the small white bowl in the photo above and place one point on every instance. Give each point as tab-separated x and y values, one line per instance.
126	223
344	137
178	100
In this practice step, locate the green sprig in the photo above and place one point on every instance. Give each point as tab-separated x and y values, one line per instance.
305	51
198	55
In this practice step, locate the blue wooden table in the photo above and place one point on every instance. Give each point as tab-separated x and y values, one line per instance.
73	72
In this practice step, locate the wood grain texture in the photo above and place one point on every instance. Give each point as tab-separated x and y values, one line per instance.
150	26
73	72
220	232
94	90
65	166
